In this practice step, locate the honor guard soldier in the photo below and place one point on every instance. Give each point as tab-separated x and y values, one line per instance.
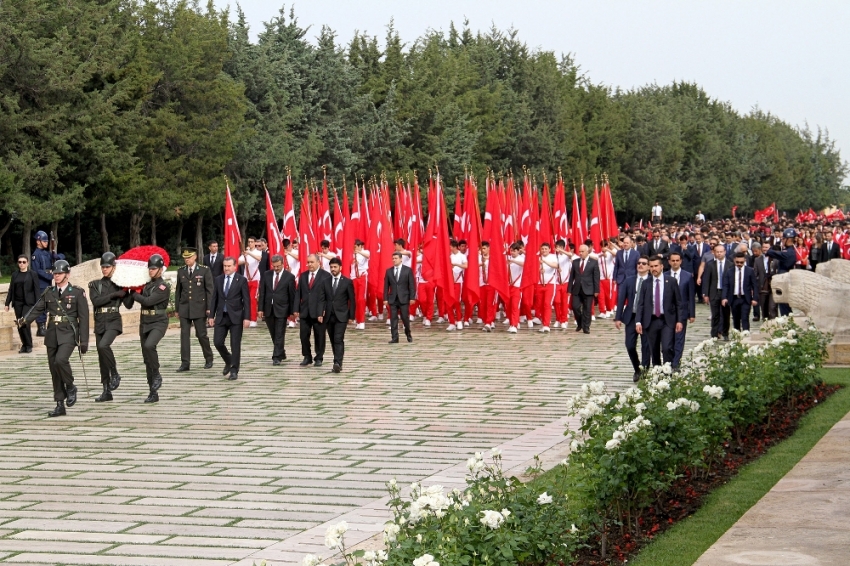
106	298
67	327
153	321
193	295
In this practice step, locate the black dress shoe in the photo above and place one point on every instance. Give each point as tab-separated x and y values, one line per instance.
409	338
586	331
226	369
72	396
317	364
234	375
23	350
208	365
114	381
283	357
58	411
394	341
578	328
153	397
636	377
756	319
105	396
156	383
184	367
305	362
29	350
275	362
337	368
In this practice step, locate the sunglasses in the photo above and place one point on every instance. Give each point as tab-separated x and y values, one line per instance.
22	263
643	263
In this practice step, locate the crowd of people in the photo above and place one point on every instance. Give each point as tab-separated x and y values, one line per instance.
647	280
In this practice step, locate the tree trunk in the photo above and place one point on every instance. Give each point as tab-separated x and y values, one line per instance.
153	229
104	235
136	229
26	234
6	227
180	237
199	234
78	237
54	231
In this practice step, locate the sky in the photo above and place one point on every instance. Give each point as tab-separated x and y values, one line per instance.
786	58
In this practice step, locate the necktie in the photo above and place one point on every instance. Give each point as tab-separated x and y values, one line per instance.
312	275
657	297
676	277
226	285
581	270
627	256
212	259
719	274
336	280
829	248
741	281
396	273
190	272
276	279
637	291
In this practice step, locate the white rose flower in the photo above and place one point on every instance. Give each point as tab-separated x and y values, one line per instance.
544	499
492	519
597	387
662	385
506	513
612	444
311	560
640	407
573	529
495	452
391	532
713	391
425	560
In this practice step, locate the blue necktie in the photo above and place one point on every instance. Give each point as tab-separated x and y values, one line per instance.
226	285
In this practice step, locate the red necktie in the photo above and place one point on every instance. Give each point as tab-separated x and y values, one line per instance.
276	280
312	275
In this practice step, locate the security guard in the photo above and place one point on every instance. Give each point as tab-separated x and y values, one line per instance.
193	295
153	321
106	298
42	263
67	326
786	258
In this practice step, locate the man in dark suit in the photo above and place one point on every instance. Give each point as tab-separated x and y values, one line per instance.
22	295
399	291
712	291
686	252
739	291
686	289
829	249
214	260
659	246
625	262
341	304
263	247
660	312
230	311
310	307
276	304
193	294
584	287
627	296
764	269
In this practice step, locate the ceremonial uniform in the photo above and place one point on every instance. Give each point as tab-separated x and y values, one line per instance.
786	260
545	291
515	267
193	294
360	278
106	298
67	313
607	296
153	323
487	303
562	296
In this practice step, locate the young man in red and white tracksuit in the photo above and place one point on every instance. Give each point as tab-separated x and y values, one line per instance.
607	300
459	266
424	291
515	266
562	296
487	302
546	286
360	278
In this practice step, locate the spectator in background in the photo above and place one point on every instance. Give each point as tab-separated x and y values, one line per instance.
23	294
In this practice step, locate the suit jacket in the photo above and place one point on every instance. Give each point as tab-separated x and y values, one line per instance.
660	248
217	268
709	278
671	302
700	249
264	264
688	254
764	274
342	302
28	281
826	255
587	282
687	287
401	292
238	300
642	249
311	302
626	307
280	302
748	284
624	269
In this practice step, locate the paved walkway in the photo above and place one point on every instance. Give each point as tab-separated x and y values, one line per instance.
223	473
803	520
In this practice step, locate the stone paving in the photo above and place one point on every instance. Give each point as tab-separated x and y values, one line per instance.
221	472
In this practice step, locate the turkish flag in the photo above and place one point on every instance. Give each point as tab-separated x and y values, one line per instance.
290	229
497	274
275	246
595	228
339	227
436	252
577	234
232	236
545	231
307	243
562	221
473	239
531	268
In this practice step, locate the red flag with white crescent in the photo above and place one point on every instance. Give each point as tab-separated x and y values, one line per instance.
290	228
275	246
232	236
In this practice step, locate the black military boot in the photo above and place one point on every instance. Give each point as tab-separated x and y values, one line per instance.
153	397
105	396
40	331
114	381
71	393
59	411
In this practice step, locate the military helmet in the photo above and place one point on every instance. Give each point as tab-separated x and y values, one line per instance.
41	236
156	261
789	233
107	260
61	266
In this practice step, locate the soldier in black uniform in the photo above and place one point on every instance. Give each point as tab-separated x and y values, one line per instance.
106	298
67	326
193	295
153	321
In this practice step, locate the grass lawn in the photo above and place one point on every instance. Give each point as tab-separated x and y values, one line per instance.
687	540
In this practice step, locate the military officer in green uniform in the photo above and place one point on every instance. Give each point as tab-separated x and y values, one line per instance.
193	295
67	327
153	321
106	298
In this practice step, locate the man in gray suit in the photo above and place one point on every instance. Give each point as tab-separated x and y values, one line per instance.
399	291
584	287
